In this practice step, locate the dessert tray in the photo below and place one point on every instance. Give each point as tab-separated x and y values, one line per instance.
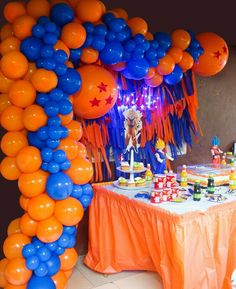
131	171
130	188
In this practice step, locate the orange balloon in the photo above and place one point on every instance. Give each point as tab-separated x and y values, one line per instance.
34	117
6	31
22	93
98	92
13	10
68	259
176	53
9	286
29	159
37	8
60	280
3	264
22	26
14	65
73	35
4	83
75	130
12	142
14	244
9	44
81	171
49	230
166	65
31	70
66	119
215	55
180	38
24	202
70	147
9	169
89	10
14	227
61	46
138	26
4	102
155	81
16	272
12	118
82	150
151	73
28	226
34	184
89	55
69	211
118	66
44	80
187	61
68	273
41	207
149	36
103	7
69	64
121	13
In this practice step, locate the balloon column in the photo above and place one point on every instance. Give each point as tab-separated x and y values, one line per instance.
58	59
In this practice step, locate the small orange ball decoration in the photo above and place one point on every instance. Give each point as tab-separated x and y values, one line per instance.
138	26
89	55
166	65
44	80
89	10
34	117
4	83
13	245
41	207
12	118
75	130
22	26
68	259
29	159
13	227
180	38
28	226
73	35
13	10
70	147
49	230
9	44
37	8
13	142
9	169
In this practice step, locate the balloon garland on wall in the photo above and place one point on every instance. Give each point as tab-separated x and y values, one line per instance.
74	56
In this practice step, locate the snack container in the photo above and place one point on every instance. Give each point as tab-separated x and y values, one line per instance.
170	178
174	192
156	196
165	195
159	181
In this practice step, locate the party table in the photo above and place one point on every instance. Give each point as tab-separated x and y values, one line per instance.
192	245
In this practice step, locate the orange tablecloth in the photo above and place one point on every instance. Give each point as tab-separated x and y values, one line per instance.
195	250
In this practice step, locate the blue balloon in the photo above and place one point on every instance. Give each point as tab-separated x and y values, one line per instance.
56	94
54	132
72	242
110	36
39	63
59	156
154	44
59	186
98	43
65	107
31	48
37	243
116	24
60	56
42	98
32	262
36	282
51	108
75	54
60	69
194	44
136	69
64	240
70	82
47	154
163	39
107	17
53	143
53	264
35	141
151	54
38	31
41	271
52	246
121	36
42	133
77	191
160	53
66	165
139	38
88	41
153	62
89	27
50	27
87	190
85	201
112	53
62	14
44	166
44	254
50	38
28	250
100	30
53	167
43	20
194	53
175	76
49	64
127	56
69	229
64	131
139	49
60	250
130	45
54	121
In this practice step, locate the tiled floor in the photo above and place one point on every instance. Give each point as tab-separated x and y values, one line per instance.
84	278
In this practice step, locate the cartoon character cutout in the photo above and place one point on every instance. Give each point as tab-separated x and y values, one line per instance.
215	150
161	156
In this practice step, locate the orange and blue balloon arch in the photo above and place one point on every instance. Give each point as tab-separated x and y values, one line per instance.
63	60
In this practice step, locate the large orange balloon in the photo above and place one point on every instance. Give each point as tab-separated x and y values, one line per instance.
22	26
70	147
14	227
16	272
23	201
41	207
82	150
22	93
176	53
186	62
68	259
73	35
34	184
4	83
14	244
9	44
37	8
3	264
98	92
34	117
49	230
75	130
155	81
69	211
180	38
121	13
81	171
44	80
89	10
4	102
29	159
14	65
6	31
12	142
9	169
138	26
89	55
28	226
13	10
61	46
60	280
12	118
215	55
31	70
166	65
10	286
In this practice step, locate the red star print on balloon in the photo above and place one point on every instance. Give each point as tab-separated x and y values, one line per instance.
217	54
109	100
95	102
225	50
102	87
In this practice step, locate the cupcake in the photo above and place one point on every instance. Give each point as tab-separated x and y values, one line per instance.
139	182
122	182
131	184
124	166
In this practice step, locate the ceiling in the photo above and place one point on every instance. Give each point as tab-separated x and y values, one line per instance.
163	15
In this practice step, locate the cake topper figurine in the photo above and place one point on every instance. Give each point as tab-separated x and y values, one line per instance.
215	150
161	156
